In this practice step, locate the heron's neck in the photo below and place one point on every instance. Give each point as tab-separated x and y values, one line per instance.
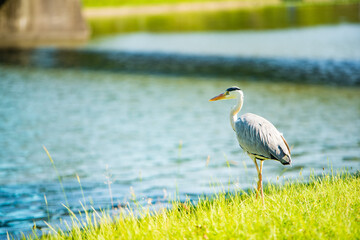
234	111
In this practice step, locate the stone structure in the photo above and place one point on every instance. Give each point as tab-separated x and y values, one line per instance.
35	22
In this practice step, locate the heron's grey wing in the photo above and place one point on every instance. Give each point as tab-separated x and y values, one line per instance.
259	137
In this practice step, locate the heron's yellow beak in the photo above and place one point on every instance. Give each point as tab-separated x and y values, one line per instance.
218	97
222	96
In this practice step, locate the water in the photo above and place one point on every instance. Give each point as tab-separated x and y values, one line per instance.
338	42
156	135
317	55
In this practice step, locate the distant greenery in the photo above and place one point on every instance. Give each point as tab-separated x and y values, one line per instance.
327	207
104	3
271	17
119	3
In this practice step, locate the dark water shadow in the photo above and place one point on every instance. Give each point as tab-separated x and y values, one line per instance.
312	71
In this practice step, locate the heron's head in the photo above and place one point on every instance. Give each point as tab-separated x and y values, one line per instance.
230	93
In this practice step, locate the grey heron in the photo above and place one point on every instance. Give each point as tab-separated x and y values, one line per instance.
257	136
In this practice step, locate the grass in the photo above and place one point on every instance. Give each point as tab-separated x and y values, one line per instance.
327	207
122	3
264	15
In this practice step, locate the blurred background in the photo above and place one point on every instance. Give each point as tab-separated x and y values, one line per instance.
118	92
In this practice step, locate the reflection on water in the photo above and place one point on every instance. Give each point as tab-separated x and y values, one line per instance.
337	42
271	17
155	134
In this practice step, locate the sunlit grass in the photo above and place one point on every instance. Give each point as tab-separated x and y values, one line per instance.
57	174
327	207
119	3
95	3
262	17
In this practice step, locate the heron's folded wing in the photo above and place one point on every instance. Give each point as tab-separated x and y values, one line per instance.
258	136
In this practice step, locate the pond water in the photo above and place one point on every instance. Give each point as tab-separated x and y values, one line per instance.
338	42
157	135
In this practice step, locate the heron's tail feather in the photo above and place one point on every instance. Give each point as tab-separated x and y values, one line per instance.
286	160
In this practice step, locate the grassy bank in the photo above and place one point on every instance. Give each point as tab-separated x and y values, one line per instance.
218	16
326	208
122	3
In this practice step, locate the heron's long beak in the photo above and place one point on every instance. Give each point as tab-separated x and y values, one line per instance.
218	97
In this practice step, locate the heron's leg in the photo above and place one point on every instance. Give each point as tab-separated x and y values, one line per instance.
258	171
260	181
